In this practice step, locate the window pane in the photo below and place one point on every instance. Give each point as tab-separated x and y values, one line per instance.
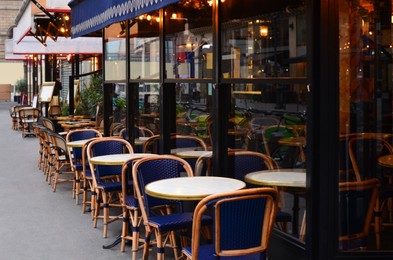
115	58
144	47
188	40
263	42
365	70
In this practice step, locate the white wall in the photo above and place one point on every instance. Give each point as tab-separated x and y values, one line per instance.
10	72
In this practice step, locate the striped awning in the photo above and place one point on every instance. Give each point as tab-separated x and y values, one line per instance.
91	15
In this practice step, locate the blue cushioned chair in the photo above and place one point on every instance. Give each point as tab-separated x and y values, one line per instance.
130	207
170	216
106	177
357	201
76	154
243	222
245	162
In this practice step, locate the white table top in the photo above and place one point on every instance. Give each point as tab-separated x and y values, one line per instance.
140	140
281	177
193	154
192	188
117	159
78	143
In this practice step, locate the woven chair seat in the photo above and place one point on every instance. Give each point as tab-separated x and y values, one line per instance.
131	201
177	221
110	186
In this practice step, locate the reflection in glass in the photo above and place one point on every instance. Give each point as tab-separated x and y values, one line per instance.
115	58
365	91
188	41
262	43
144	46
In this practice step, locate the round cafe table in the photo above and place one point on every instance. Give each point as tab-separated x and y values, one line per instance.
117	159
78	143
192	188
193	154
290	179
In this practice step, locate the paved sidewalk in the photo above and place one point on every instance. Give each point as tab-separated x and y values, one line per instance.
36	223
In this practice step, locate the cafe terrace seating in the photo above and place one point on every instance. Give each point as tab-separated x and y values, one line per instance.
130	206
75	153
48	123
106	177
170	216
61	161
27	116
364	152
357	201
243	222
245	162
177	141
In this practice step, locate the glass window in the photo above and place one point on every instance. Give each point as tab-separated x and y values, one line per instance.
145	47
365	105
266	48
115	58
263	42
188	40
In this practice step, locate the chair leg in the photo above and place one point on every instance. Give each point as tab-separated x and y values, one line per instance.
377	224
146	246
105	210
124	231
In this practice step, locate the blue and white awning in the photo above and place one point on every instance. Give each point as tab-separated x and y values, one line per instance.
91	15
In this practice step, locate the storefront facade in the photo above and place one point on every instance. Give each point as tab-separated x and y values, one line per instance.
217	69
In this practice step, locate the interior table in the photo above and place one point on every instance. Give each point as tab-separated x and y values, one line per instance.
78	143
193	154
192	188
293	180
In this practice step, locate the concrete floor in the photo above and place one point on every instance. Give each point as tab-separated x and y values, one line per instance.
37	223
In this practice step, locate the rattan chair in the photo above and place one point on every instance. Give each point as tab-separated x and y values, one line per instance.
364	152
357	201
167	220
243	222
130	206
75	153
61	161
106	177
27	117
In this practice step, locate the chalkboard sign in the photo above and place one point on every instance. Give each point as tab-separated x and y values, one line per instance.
46	92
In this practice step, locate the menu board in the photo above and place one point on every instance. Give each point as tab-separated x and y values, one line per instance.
46	92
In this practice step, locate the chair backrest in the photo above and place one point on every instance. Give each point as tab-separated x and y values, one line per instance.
140	130
356	204
107	146
54	110
155	168
177	141
151	145
244	162
48	123
364	152
80	134
59	145
243	222
29	113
